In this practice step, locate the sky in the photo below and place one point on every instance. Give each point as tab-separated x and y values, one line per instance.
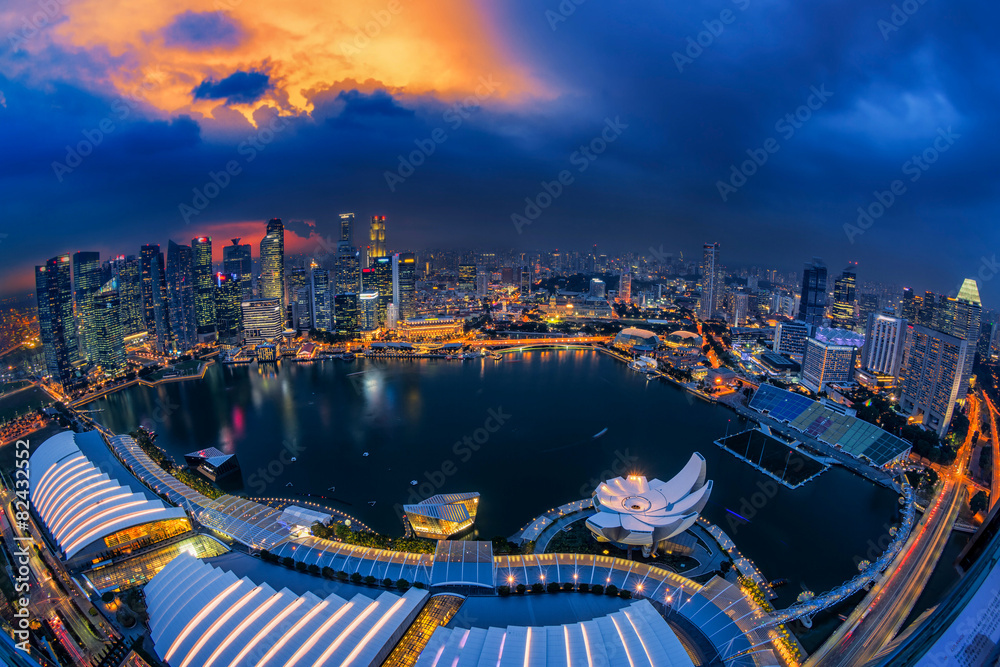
645	127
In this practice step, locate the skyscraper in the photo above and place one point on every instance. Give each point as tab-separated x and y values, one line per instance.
348	269
263	320
790	339
368	315
53	290
237	260
827	362
181	294
812	304
204	292
376	237
322	304
382	283
466	277
272	262
844	297
154	295
347	228
404	284
912	304
931	376
129	275
346	313
228	297
86	282
109	337
525	283
885	338
984	348
625	286
961	316
711	281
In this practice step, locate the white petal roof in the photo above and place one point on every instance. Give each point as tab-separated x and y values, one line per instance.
80	503
633	506
202	616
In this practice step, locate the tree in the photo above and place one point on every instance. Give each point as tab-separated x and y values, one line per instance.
520	589
288	561
388	583
978	502
553	587
403	585
597	589
537	587
343	576
583	588
327	572
107	597
356	577
300	566
625	594
503	591
313	569
370	580
611	590
568	586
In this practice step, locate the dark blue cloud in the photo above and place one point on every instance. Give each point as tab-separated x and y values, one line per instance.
237	88
378	103
146	138
203	30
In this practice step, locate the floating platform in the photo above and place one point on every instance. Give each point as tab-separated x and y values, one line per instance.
775	458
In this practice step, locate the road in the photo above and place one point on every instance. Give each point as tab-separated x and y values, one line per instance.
881	614
995	479
47	594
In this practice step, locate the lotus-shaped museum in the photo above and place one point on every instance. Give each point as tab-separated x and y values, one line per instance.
632	511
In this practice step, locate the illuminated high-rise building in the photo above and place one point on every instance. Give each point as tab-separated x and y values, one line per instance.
376	238
263	320
129	274
625	286
844	298
181	294
931	376
466	277
322	304
238	259
345	310
812	304
154	295
827	362
961	316
204	292
347	269
885	339
272	263
148	255
53	290
381	282
525	283
228	294
984	347
109	337
711	281
368	315
912	304
404	284
302	313
86	282
347	228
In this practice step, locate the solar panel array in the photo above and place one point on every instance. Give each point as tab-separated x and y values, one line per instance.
858	438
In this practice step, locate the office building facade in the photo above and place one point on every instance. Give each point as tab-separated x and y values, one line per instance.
86	283
812	302
237	259
54	294
711	281
272	263
790	339
376	238
263	320
827	363
181	294
931	376
204	297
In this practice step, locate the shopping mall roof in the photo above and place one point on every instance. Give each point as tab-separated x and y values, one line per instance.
635	635
81	502
816	419
202	616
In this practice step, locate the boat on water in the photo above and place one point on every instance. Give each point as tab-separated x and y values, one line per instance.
600	433
348	356
497	356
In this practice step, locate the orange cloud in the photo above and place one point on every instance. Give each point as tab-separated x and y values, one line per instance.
442	47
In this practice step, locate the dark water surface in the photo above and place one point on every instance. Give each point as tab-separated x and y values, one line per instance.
431	421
